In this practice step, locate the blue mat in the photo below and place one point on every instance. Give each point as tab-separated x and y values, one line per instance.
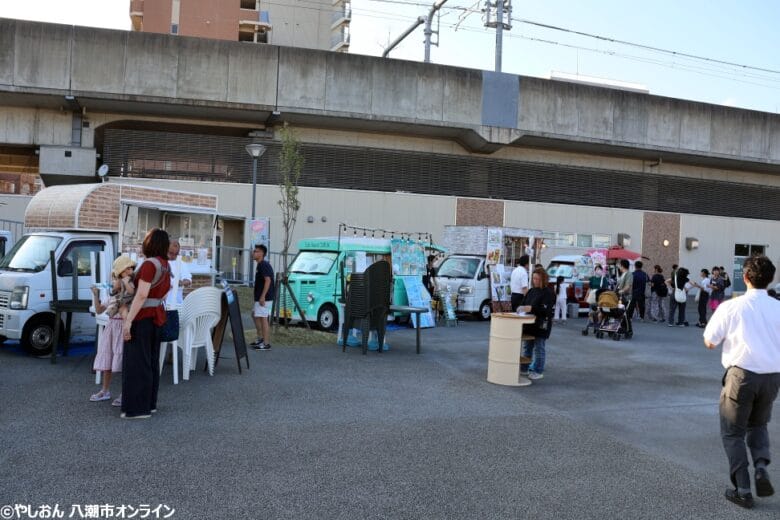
79	346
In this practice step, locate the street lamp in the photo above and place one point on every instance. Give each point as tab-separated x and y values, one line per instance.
255	150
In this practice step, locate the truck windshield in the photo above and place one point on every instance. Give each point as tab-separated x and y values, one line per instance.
458	268
313	262
555	270
31	253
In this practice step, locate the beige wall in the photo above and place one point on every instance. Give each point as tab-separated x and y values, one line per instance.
392	211
717	236
12	207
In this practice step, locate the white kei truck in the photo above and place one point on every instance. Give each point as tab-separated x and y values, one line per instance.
464	273
92	223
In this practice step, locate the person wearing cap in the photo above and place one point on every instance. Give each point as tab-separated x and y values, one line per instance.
111	343
123	288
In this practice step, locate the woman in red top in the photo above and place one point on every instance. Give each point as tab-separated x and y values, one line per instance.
141	329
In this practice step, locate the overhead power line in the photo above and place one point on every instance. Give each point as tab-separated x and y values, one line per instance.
642	46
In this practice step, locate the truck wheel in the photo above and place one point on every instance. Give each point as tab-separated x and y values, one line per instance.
485	310
328	317
38	335
2	339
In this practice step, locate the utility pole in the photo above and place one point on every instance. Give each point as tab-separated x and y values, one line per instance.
498	14
428	31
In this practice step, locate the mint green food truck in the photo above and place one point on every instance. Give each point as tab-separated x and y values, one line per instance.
322	268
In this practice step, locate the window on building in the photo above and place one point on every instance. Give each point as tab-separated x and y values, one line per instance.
741	253
749	249
174	28
584	240
247	4
602	241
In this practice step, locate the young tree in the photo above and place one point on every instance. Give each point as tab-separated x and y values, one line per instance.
290	167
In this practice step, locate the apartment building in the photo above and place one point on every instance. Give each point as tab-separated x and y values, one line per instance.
311	24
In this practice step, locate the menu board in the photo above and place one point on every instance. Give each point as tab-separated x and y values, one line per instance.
500	290
408	257
495	244
419	296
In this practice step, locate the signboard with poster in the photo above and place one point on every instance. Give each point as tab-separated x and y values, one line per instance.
495	245
259	232
500	292
408	257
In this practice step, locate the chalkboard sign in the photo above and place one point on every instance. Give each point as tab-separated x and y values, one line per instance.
230	304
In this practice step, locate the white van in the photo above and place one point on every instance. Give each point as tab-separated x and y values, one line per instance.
465	276
81	222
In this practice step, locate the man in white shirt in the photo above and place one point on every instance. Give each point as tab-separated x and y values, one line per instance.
749	329
518	282
180	277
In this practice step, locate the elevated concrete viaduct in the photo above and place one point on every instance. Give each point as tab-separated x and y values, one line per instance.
142	73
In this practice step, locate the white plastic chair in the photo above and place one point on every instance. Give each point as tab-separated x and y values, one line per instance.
199	313
175	350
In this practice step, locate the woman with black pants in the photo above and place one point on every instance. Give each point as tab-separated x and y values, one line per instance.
141	360
678	281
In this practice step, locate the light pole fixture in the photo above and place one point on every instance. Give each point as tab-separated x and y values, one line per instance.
255	150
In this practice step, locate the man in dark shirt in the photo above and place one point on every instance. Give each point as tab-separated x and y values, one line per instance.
264	297
638	288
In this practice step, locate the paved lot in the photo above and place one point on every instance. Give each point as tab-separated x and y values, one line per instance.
615	430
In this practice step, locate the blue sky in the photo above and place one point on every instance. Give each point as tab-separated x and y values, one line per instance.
742	32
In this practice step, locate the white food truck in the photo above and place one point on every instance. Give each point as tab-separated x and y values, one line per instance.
464	273
84	224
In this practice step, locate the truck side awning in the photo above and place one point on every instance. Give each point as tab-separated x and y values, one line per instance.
170	208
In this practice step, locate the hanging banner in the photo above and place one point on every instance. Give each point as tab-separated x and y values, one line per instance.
408	257
259	232
495	245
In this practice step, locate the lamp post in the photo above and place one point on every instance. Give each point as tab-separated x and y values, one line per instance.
255	150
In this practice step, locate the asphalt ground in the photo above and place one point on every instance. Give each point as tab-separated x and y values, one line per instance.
623	429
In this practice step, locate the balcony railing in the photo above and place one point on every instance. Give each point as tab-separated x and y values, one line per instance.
339	41
341	16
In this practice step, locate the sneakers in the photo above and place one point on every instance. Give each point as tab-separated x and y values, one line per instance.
100	396
670	325
256	342
261	346
123	415
117	401
534	376
524	372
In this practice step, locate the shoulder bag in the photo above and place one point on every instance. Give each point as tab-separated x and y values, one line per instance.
679	294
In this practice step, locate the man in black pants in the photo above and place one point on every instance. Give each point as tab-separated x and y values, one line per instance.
749	329
638	288
518	282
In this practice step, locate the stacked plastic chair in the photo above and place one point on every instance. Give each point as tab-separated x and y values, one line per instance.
367	305
199	313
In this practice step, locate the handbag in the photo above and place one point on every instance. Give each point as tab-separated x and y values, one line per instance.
170	329
591	296
679	294
714	304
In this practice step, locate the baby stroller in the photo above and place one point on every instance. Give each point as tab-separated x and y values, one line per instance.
608	317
